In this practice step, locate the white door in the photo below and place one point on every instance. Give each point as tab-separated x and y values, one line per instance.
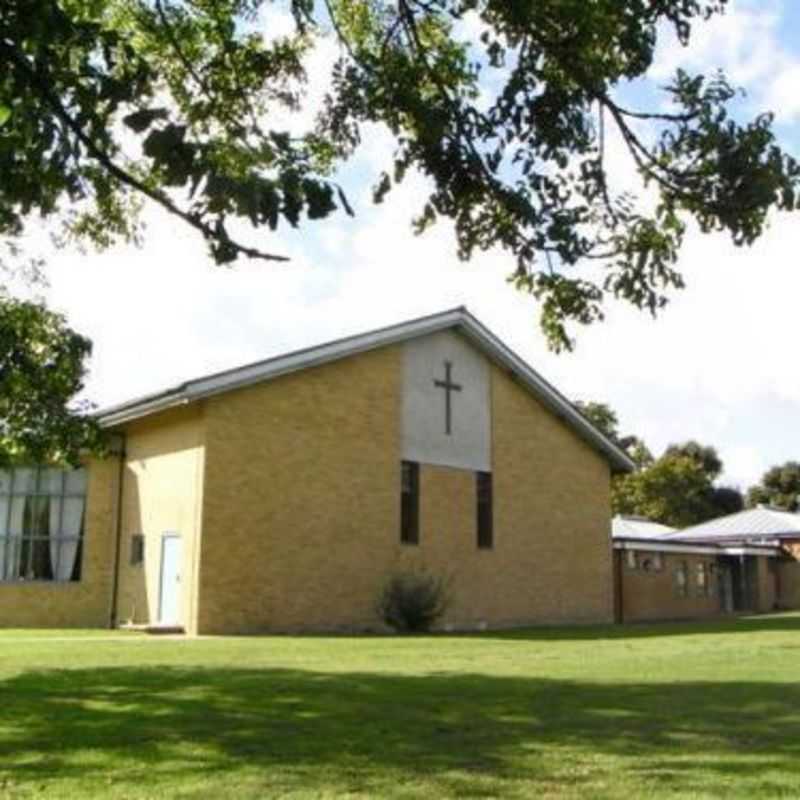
169	607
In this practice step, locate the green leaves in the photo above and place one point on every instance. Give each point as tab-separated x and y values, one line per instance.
179	103
141	120
779	487
42	368
677	489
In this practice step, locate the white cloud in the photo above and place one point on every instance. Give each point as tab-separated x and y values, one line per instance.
746	43
720	365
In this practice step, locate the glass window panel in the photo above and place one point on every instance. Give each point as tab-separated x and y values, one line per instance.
13	565
41	561
76	481
16	525
5	503
55	522
24	562
38	516
68	559
51	481
5	482
77	562
24	481
72	517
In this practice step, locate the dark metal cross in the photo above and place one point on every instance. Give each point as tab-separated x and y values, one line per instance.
448	386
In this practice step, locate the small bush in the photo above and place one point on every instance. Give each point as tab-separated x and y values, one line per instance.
412	601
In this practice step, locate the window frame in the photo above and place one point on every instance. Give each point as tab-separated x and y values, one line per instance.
681	577
26	542
702	579
409	503
484	510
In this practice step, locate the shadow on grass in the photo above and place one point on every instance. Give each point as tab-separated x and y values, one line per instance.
326	731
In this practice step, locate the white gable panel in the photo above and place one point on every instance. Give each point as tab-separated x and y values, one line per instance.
426	438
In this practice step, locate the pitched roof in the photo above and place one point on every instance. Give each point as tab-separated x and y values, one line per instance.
631	527
753	523
640	533
458	319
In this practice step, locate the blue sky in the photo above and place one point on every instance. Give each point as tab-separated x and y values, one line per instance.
719	365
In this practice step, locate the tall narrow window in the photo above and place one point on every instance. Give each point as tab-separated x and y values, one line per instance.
409	503
483	483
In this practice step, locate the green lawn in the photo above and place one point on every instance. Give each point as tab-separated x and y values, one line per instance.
657	711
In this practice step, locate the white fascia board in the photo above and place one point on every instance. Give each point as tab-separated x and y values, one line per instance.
118	415
666	547
694	549
770	552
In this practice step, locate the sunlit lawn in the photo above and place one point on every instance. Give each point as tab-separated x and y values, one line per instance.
669	710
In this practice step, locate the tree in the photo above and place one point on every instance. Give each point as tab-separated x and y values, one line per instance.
41	370
727	500
104	103
677	489
674	490
779	487
637	450
107	103
602	416
706	457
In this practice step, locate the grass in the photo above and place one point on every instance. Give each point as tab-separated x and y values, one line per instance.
641	711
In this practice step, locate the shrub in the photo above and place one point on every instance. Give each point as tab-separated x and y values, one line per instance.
412	601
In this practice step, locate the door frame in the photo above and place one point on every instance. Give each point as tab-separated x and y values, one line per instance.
164	536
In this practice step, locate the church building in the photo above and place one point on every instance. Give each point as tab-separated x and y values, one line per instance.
283	495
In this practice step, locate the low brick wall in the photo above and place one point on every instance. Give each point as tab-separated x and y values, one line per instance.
652	593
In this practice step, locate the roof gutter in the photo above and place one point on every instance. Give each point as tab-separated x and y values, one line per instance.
459	318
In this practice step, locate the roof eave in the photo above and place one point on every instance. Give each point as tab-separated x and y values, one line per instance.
458	318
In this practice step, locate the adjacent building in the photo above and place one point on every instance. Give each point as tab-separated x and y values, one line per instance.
743	562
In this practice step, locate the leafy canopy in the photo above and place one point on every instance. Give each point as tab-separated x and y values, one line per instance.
41	370
679	488
604	418
506	107
779	487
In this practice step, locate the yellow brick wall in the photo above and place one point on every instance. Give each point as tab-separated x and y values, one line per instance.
552	513
652	595
85	603
162	491
302	502
300	498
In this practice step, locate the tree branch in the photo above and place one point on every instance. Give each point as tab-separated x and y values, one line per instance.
41	87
